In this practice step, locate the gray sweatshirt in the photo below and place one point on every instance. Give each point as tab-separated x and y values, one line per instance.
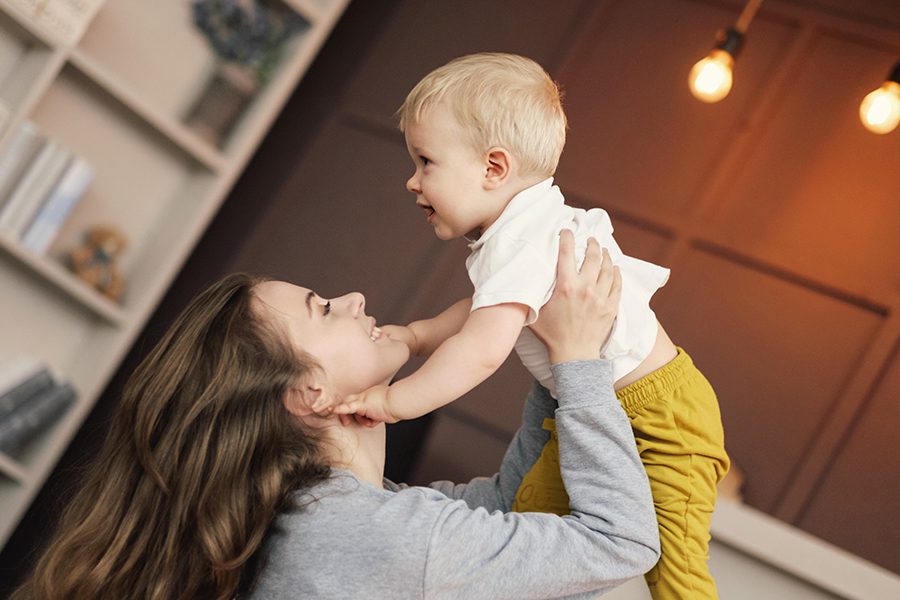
349	539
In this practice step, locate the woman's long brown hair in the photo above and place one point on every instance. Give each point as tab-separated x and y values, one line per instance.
200	458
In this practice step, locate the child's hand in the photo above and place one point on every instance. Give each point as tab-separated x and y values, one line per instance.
576	321
403	334
372	405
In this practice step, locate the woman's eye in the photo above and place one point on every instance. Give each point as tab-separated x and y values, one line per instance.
327	308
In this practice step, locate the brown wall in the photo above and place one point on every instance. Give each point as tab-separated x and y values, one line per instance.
775	209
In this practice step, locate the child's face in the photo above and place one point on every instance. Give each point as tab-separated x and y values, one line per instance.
449	177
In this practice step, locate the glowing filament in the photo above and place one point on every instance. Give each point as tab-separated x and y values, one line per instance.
880	110
710	79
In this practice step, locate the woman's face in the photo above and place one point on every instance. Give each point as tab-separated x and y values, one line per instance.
338	334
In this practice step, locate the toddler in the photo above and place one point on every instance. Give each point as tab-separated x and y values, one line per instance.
485	133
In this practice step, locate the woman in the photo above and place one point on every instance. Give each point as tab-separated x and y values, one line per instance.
217	480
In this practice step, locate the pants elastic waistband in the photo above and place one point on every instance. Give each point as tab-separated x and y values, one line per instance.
657	384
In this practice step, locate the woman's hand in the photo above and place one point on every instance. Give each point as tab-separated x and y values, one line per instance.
577	320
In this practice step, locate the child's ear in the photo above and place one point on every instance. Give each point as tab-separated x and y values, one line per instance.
299	398
498	167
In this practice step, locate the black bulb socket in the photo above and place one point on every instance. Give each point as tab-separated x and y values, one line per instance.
731	41
895	74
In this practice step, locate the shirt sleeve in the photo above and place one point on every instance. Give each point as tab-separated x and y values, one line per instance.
609	537
498	492
511	270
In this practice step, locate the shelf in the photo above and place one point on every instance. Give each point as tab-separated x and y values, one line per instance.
308	9
119	98
27	65
27	23
65	281
13	469
776	543
172	129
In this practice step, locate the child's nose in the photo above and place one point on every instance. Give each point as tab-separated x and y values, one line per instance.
412	184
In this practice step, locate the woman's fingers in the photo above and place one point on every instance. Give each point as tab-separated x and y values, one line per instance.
605	273
566	270
615	293
594	260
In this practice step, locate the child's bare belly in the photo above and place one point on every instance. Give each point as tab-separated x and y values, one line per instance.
662	353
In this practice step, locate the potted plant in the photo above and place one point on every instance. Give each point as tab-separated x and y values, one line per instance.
247	38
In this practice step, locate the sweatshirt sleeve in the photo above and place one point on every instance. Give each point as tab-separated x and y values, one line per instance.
498	492
609	537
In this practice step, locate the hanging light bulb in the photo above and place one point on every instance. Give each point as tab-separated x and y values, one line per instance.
880	109
711	78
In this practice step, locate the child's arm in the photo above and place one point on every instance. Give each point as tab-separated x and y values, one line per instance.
423	337
459	364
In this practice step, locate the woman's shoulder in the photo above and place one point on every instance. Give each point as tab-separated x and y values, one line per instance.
343	494
374	531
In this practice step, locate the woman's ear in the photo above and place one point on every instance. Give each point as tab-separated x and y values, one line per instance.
498	167
299	398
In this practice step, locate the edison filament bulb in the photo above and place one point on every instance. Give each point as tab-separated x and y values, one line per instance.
710	79
880	110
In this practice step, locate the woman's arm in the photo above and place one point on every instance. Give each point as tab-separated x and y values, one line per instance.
610	536
573	324
611	533
499	491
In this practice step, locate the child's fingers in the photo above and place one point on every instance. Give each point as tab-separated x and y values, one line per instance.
346	409
365	421
323	403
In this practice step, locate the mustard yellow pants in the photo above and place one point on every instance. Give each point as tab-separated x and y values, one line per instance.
678	429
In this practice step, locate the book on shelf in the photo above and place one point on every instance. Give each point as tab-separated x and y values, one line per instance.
34	414
20	379
16	158
51	215
65	20
34	186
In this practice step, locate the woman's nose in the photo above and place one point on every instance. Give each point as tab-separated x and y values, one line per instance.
354	303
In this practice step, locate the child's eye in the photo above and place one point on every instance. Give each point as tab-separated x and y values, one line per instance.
327	308
424	160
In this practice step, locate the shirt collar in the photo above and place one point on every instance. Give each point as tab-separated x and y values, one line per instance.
520	203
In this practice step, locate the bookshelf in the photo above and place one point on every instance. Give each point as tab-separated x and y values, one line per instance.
115	90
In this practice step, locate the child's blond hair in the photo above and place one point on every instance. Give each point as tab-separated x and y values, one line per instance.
501	100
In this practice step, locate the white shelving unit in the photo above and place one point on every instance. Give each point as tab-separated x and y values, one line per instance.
117	96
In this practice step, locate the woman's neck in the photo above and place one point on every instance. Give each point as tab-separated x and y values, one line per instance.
361	451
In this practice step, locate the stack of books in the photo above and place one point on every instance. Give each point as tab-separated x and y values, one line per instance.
31	399
40	184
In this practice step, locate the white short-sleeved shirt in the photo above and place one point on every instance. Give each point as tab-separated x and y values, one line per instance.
514	260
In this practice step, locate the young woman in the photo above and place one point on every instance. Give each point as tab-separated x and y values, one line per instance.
218	481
